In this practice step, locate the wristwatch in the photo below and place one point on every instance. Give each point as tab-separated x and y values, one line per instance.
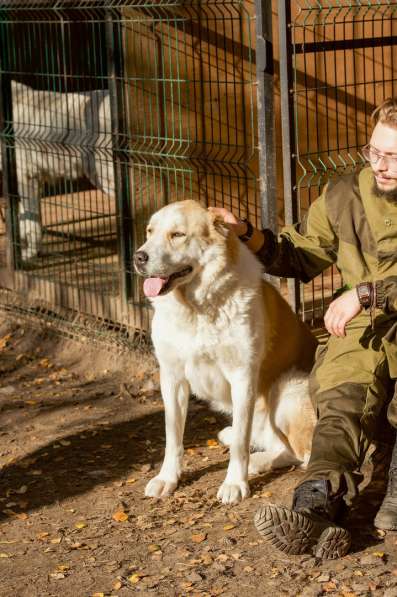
249	232
365	293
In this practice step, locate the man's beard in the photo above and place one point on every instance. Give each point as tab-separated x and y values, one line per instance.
388	195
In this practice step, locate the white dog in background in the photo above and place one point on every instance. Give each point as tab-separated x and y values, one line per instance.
58	136
225	335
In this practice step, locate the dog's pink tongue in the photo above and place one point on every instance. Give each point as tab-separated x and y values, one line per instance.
152	286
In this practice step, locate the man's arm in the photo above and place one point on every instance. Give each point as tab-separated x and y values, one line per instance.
301	251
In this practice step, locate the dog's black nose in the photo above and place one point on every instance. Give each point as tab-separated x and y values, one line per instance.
141	258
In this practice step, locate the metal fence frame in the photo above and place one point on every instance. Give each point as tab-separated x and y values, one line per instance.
122	308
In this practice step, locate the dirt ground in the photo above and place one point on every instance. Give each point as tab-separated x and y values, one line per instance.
82	432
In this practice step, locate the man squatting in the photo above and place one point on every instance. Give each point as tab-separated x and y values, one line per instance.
354	225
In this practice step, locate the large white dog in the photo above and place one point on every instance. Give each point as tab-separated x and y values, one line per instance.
58	136
225	335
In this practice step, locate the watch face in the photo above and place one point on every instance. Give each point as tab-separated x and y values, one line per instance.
364	294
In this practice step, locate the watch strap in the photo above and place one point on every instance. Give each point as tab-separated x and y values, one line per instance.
248	234
365	293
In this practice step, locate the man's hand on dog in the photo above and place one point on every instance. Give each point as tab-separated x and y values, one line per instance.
341	310
230	219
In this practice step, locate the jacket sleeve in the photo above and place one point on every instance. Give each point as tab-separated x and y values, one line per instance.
386	294
302	250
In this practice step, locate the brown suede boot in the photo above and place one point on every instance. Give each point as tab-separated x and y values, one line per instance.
386	518
309	526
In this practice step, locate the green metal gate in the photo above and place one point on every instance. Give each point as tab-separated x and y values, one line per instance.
337	62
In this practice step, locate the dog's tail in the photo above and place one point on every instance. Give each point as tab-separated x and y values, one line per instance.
292	415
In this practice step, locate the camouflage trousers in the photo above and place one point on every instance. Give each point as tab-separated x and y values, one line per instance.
351	385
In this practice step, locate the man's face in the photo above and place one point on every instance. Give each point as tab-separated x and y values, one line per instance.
384	142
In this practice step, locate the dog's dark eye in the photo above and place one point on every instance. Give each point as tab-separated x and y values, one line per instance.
177	234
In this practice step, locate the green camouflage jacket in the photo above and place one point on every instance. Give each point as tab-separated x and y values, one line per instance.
352	227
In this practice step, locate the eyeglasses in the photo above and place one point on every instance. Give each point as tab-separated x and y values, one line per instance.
373	156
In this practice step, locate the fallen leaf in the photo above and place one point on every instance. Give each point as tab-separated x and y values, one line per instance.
80	525
45	363
154	547
199	538
130	481
229	527
65	442
267	494
212	443
4	555
134	578
21	516
42	536
328	587
120	516
378	554
63	567
4	341
117	585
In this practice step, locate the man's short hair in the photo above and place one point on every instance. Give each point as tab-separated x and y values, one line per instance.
386	113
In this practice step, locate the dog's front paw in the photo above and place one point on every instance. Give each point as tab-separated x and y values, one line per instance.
232	493
159	488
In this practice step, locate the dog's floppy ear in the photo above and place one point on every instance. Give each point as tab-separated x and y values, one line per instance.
219	225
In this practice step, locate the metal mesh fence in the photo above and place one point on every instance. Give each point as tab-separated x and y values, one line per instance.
342	57
112	110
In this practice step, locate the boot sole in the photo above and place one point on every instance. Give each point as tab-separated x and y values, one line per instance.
289	531
295	534
333	543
